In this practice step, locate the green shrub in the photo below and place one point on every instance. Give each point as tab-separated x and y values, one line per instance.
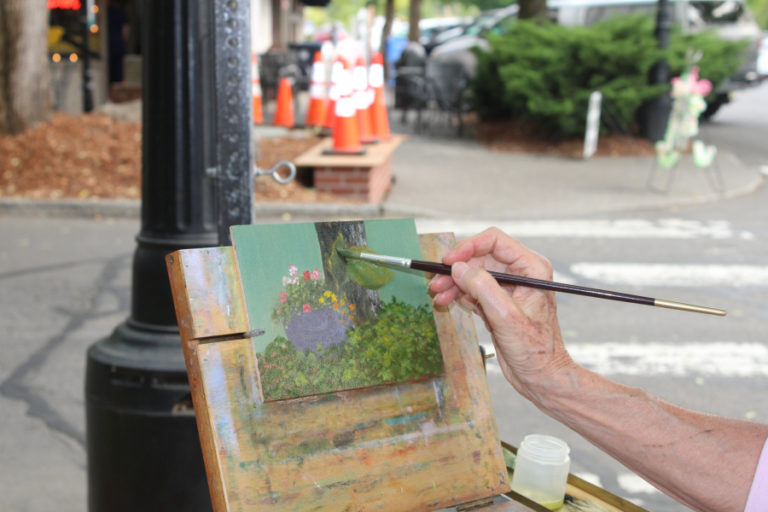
543	73
720	59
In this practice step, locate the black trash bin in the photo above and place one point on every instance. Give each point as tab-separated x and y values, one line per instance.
411	92
305	56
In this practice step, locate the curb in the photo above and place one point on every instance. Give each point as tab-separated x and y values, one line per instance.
131	209
77	208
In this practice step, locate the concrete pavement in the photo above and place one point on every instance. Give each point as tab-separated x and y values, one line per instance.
66	276
459	178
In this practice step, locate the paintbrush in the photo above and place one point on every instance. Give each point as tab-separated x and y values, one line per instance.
439	268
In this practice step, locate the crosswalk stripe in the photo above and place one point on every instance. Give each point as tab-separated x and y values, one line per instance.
633	484
713	359
664	274
670	228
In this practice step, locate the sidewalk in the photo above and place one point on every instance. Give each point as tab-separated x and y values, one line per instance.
458	178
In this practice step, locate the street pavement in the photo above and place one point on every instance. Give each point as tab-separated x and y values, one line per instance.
65	271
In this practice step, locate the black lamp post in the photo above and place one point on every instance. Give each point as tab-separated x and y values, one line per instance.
143	449
657	110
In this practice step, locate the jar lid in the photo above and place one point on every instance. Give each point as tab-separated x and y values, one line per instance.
544	448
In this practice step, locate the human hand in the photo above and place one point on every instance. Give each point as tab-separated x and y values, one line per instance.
522	320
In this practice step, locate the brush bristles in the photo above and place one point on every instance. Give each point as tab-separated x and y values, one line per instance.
347	254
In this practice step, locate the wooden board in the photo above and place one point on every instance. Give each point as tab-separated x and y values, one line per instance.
412	446
375	155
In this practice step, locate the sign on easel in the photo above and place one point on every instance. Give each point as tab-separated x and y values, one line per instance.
593	124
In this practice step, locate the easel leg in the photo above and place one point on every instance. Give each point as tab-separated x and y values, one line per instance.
652	178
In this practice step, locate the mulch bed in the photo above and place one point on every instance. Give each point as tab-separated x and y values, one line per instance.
97	156
515	137
73	157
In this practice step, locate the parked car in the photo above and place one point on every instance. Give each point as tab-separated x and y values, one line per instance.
431	28
762	57
459	48
448	34
730	18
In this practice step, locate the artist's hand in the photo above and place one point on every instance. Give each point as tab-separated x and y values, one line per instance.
522	321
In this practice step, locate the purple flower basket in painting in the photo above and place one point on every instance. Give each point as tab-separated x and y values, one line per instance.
324	326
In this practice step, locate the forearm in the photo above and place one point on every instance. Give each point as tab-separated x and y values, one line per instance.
704	461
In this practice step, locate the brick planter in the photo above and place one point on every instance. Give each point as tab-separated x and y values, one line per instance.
356	177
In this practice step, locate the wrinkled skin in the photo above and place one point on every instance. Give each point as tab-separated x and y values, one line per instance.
522	321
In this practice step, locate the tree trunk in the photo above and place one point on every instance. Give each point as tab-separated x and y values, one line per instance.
367	302
389	17
25	84
532	9
414	16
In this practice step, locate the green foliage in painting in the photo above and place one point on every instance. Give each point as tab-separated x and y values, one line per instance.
366	274
543	73
400	344
335	263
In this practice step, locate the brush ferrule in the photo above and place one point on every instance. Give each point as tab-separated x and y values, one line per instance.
688	307
389	260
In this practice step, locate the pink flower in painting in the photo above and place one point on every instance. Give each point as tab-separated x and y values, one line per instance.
292	270
306	275
283	296
315	275
306	308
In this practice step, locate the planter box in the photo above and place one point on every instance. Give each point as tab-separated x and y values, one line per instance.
364	177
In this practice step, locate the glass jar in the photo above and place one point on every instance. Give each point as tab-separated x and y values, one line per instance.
541	470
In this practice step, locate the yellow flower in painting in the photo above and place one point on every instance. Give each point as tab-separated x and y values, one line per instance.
327	293
333	297
321	300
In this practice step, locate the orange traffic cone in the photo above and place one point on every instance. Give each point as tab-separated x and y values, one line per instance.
346	138
337	70
360	97
258	114
318	102
284	110
379	119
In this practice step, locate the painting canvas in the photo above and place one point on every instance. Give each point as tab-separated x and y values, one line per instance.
330	324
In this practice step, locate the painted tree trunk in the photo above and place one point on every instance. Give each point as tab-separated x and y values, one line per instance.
25	85
366	302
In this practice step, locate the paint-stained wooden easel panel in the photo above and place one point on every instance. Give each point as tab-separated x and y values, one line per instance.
406	447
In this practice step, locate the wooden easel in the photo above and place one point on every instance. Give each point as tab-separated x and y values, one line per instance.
405	447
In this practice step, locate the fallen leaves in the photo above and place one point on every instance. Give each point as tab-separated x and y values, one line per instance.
96	156
73	156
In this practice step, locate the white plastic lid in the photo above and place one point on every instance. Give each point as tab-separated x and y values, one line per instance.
545	449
